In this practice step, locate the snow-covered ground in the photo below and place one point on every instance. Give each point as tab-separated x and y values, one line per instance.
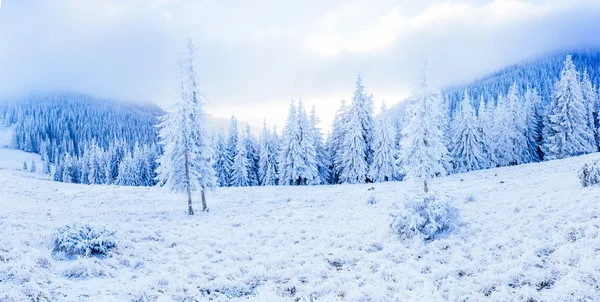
528	233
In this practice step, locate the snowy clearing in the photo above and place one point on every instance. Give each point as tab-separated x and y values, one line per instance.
528	234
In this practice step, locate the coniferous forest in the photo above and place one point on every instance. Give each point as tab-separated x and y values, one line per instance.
538	110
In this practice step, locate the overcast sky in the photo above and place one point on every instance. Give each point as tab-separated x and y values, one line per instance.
254	55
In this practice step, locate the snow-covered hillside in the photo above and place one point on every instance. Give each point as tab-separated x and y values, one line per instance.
528	233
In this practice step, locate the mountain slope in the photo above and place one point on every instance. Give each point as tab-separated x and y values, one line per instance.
528	233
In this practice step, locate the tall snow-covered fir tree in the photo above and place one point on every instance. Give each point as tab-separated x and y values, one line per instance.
384	166
253	157
232	143
566	131
485	125
423	153
267	168
363	105
291	159
323	160
222	162
354	165
310	174
591	104
467	144
518	126
335	141
240	167
502	129
533	121
185	166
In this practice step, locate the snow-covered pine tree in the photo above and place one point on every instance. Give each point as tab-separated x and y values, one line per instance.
185	166
253	157
323	161
114	157
363	105
128	175
85	165
485	124
47	168
533	121
33	168
276	142
291	160
222	161
310	174
239	172
70	171
97	165
335	141
424	154
384	168
354	164
267	170
501	133
591	102
518	130
566	131
232	144
467	143
24	165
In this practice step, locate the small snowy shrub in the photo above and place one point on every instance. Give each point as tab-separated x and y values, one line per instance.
83	240
590	173
427	217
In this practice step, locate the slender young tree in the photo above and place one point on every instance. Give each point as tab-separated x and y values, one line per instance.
485	124
310	174
334	143
591	103
185	165
518	126
354	159
384	168
33	168
252	156
566	131
267	165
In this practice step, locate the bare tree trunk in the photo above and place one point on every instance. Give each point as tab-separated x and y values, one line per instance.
187	181
425	186
204	207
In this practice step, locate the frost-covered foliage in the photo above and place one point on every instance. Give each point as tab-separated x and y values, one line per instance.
83	240
384	166
423	149
589	174
428	217
566	128
467	143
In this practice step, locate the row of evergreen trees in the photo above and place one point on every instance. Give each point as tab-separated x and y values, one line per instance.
510	129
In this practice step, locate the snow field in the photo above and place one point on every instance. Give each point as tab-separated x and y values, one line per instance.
528	233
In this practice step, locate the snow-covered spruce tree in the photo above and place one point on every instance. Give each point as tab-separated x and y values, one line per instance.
467	143
335	141
97	165
291	159
501	134
566	131
232	143
485	124
267	171
47	169
24	165
85	161
354	166
128	175
253	157
70	169
33	168
185	166
276	141
363	105
323	160
591	103
533	121
239	172
222	162
424	154
384	168
310	174
114	156
518	123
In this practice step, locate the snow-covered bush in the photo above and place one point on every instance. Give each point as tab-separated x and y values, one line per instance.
83	240
427	217
590	173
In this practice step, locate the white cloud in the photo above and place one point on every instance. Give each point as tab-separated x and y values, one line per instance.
330	35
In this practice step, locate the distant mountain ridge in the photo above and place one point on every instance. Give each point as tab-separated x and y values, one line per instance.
540	73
